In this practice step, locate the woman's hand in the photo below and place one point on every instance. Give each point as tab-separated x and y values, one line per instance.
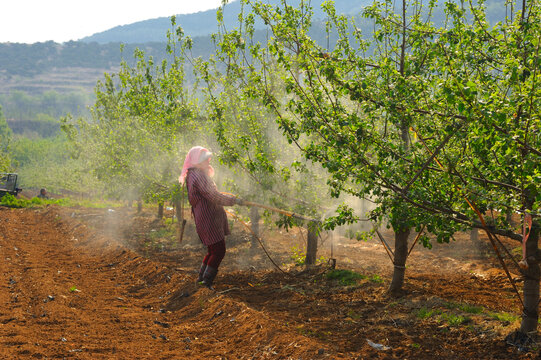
239	201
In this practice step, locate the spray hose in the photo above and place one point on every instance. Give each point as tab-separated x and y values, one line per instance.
249	228
283	212
250	203
267	207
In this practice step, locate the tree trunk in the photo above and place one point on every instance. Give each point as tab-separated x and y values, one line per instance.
160	210
178	211
401	236
532	275
311	247
400	257
474	237
509	217
254	219
139	206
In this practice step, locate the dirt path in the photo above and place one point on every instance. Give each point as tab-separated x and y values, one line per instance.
71	286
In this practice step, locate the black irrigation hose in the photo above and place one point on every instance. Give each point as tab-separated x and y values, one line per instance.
260	243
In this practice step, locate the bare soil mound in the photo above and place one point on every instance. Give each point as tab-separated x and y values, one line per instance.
105	284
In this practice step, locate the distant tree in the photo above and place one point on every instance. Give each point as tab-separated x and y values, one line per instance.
47	163
143	121
20	105
5	140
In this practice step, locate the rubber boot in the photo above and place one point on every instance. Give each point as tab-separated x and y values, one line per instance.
208	277
201	272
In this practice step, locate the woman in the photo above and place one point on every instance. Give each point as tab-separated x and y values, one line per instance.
207	209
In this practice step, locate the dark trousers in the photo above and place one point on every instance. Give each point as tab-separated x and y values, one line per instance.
216	253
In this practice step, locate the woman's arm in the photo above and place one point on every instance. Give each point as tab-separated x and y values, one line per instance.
208	190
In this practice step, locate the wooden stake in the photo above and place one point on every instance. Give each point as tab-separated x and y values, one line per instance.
182	221
416	239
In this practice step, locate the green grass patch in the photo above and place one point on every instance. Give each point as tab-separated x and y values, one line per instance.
503	317
471	309
345	277
450	318
169	221
166	232
90	203
298	256
425	313
321	260
161	238
467	308
13	202
454	319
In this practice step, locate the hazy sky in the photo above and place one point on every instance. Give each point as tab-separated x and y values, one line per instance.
30	21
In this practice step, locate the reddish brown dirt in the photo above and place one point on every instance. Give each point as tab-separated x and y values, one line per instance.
102	284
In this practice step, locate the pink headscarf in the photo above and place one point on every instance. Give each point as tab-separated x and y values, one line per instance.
195	156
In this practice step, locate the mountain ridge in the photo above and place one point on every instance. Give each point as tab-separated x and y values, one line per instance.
201	23
79	64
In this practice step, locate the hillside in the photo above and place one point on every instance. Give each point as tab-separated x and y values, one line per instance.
202	23
77	65
66	67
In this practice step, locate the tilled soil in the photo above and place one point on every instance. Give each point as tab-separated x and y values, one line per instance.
102	284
